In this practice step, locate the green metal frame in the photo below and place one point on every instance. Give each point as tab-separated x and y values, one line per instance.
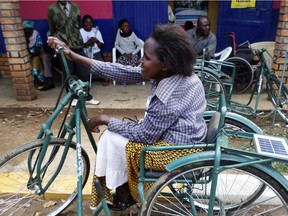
264	71
80	115
216	152
238	118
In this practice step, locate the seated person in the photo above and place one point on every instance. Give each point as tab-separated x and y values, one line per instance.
34	45
93	42
41	67
128	44
174	112
201	37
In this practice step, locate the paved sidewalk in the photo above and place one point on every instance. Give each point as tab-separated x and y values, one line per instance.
111	97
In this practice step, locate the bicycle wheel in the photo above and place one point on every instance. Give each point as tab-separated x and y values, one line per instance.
281	105
243	73
18	191
186	191
213	87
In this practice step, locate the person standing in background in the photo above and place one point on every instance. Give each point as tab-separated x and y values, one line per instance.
64	22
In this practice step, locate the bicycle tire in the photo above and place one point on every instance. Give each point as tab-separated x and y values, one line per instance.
213	87
14	176
281	106
243	74
237	190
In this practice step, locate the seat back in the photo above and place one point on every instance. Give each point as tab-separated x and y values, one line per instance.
217	122
224	54
213	128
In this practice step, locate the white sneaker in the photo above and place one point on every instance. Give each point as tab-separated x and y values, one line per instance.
74	102
93	102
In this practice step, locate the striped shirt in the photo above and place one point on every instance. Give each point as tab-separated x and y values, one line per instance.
175	111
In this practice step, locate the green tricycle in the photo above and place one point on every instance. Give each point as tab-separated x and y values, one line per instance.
197	184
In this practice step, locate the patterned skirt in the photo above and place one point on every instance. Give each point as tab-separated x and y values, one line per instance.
155	160
133	61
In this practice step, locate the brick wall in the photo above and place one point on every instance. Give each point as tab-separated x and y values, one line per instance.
17	54
281	41
5	71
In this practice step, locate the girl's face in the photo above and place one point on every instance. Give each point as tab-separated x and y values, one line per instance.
125	27
88	24
152	67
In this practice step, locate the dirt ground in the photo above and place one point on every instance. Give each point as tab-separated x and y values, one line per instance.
20	125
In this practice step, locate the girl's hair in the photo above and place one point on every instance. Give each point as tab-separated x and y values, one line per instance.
175	48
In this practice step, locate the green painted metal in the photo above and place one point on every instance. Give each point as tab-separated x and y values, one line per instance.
238	118
80	115
246	109
243	158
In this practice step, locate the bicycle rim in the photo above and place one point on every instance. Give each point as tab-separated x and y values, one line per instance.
243	74
281	105
17	197
186	191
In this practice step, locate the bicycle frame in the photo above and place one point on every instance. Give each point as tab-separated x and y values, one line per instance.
263	71
216	152
240	158
234	106
75	88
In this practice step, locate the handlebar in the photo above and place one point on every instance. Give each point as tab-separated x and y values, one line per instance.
260	54
73	83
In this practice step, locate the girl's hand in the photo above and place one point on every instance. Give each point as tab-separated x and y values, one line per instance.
97	121
53	42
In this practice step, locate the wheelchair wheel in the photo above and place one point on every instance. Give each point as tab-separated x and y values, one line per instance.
243	74
244	190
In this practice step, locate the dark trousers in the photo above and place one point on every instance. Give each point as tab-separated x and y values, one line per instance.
80	71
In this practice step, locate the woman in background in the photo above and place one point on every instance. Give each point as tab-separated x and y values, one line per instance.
128	44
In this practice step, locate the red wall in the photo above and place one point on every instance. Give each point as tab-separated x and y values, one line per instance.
97	9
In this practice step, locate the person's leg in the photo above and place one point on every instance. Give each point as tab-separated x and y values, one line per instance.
49	84
37	70
110	167
83	74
